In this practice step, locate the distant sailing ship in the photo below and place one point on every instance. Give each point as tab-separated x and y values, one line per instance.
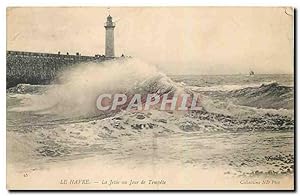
251	73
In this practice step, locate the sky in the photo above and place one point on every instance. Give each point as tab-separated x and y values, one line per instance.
178	40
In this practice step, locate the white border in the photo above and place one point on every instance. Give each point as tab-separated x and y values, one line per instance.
110	3
151	3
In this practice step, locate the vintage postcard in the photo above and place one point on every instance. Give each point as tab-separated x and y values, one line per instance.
150	98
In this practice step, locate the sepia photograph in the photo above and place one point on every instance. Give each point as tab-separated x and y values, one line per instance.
150	98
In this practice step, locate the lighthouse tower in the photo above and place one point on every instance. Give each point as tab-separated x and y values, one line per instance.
109	38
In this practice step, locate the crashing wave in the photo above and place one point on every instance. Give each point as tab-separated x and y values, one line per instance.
80	86
261	107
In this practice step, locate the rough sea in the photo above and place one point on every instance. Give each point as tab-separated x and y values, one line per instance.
245	127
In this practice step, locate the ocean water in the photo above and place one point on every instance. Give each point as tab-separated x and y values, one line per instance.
246	126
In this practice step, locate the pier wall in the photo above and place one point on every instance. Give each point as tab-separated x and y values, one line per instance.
40	68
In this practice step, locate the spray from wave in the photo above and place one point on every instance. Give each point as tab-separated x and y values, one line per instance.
80	86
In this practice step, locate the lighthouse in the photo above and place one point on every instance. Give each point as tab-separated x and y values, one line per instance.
109	38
